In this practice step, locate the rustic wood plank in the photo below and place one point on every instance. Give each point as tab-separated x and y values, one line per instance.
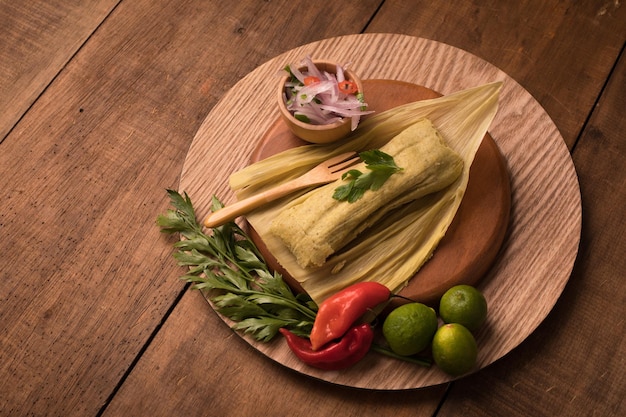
74	312
208	370
561	52
86	276
37	38
582	341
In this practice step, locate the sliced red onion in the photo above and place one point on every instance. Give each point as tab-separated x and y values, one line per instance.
322	102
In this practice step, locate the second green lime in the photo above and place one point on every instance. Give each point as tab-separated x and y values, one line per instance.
409	329
465	305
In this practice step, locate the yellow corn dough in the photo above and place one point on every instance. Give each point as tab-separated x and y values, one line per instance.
314	226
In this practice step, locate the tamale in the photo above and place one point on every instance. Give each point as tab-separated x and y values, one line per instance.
316	225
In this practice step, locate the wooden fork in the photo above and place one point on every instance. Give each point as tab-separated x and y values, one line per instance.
323	173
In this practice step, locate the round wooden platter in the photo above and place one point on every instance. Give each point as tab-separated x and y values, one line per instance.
471	243
538	252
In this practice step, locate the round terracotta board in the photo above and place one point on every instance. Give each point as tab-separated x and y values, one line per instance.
541	244
472	242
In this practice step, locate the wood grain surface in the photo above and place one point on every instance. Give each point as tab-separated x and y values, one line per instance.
544	230
100	103
544	41
38	45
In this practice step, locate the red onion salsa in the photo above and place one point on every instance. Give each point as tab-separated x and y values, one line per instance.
319	97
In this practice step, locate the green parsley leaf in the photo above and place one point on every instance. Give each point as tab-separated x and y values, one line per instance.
381	166
227	266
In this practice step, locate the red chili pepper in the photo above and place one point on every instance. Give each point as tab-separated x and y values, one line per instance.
348	87
339	311
311	80
345	352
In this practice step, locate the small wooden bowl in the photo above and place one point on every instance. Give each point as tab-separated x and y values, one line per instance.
317	133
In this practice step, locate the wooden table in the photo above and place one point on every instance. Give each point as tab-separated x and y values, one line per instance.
100	103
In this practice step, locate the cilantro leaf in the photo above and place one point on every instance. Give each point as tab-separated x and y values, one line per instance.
381	166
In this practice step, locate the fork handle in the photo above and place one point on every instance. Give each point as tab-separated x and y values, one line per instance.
246	205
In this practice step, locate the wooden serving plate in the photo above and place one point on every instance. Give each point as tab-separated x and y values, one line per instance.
540	246
473	239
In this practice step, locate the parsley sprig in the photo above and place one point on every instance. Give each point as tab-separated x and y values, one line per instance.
227	265
381	166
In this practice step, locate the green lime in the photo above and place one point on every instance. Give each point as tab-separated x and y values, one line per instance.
465	305
454	349
409	329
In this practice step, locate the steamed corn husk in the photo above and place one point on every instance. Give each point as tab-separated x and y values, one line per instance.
396	247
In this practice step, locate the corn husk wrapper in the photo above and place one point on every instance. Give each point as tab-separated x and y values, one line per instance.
392	251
